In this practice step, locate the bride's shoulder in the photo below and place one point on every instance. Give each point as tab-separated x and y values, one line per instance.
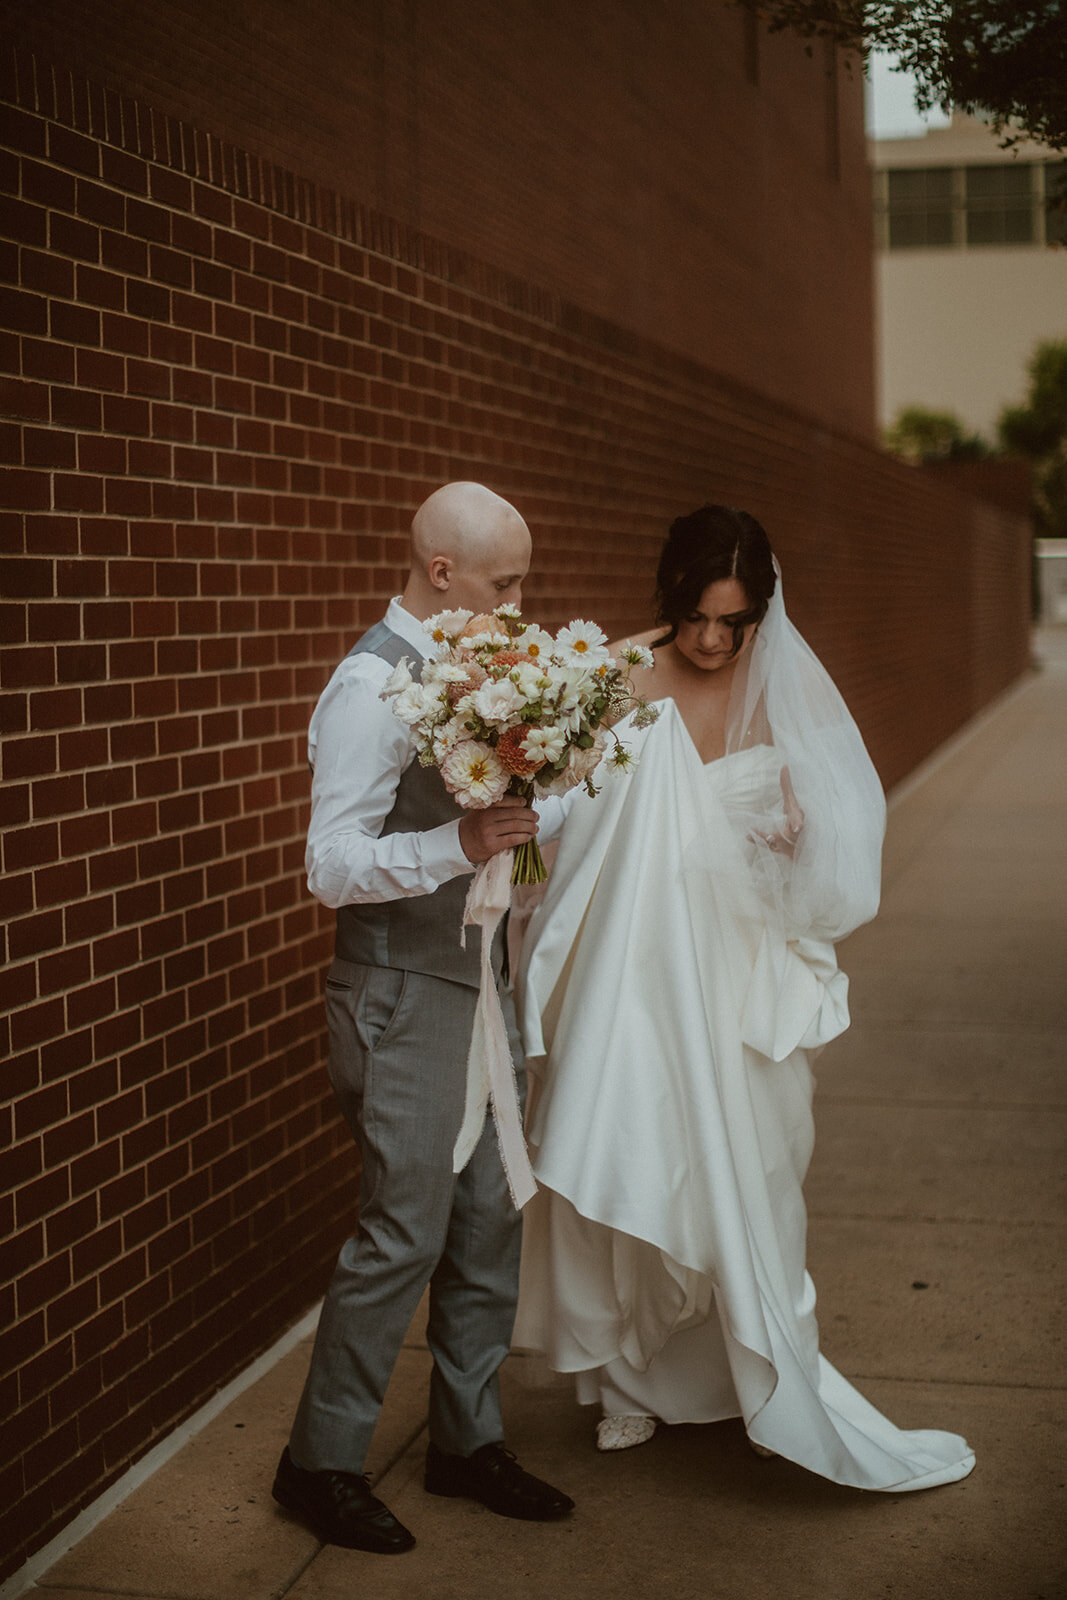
644	681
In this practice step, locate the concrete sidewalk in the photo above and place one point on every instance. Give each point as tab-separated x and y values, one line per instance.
935	1243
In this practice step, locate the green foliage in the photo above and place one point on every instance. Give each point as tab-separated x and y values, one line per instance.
1005	60
1038	429
920	435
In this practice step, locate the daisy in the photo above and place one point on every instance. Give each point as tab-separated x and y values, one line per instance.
582	644
637	655
475	774
536	643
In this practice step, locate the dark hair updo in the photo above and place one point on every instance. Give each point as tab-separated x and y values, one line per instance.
708	545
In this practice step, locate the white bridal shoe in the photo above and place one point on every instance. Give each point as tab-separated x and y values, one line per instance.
623	1432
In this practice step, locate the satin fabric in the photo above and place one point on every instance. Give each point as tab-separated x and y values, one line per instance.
667	1021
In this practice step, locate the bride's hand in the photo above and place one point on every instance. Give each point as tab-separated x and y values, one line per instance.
785	841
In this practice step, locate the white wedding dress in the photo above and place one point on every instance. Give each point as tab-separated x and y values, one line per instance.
667	1015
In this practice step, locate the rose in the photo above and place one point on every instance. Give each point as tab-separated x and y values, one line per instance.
497	702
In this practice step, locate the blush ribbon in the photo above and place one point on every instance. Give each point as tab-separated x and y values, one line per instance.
490	1070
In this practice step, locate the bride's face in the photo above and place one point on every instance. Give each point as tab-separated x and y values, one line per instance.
706	637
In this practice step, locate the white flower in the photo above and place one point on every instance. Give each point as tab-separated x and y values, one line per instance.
535	642
529	679
398	680
414	703
447	625
507	613
475	774
638	655
446	736
443	672
571	687
582	644
496	702
645	714
486	641
546	744
621	759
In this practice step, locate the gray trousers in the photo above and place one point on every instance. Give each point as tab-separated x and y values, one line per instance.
398	1061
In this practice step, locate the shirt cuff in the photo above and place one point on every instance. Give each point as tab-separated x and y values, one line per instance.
443	856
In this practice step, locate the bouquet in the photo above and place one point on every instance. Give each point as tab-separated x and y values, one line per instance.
503	707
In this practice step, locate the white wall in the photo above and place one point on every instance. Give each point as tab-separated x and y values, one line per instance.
957	327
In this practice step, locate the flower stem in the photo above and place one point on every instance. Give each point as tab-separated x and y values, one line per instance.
529	866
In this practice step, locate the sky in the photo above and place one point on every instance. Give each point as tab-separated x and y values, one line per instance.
891	112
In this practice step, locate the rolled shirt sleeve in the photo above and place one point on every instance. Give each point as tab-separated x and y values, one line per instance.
358	752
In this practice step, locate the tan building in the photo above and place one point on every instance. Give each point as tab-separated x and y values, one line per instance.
971	269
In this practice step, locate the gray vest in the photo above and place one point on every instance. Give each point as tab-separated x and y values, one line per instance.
418	933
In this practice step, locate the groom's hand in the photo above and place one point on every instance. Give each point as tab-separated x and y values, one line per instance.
501	827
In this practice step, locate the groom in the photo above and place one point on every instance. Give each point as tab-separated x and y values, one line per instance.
392	852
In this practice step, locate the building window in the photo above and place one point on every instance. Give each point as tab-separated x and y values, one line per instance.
1003	203
1055	175
920	207
1000	204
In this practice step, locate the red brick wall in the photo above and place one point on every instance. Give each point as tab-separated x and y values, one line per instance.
628	156
225	391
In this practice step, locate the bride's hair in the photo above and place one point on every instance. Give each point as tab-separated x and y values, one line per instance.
704	547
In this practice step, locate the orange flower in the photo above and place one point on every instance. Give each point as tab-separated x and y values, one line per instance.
511	749
506	659
476	676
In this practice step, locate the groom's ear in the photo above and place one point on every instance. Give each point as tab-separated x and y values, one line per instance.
440	572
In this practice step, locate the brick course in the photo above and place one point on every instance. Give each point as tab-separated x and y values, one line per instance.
225	390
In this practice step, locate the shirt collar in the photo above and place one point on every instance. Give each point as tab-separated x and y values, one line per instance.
408	627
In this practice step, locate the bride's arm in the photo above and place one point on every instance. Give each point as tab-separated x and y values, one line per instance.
552	811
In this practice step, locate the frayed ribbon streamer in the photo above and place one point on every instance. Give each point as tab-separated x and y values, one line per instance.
490	1070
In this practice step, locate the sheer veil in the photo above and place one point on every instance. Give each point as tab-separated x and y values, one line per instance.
782	696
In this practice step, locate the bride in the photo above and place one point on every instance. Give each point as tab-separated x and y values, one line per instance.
674	981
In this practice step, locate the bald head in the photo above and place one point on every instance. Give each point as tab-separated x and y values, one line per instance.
469	549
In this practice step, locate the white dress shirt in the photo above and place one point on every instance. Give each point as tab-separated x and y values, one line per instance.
358	752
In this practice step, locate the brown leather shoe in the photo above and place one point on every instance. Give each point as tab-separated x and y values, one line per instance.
493	1476
340	1508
